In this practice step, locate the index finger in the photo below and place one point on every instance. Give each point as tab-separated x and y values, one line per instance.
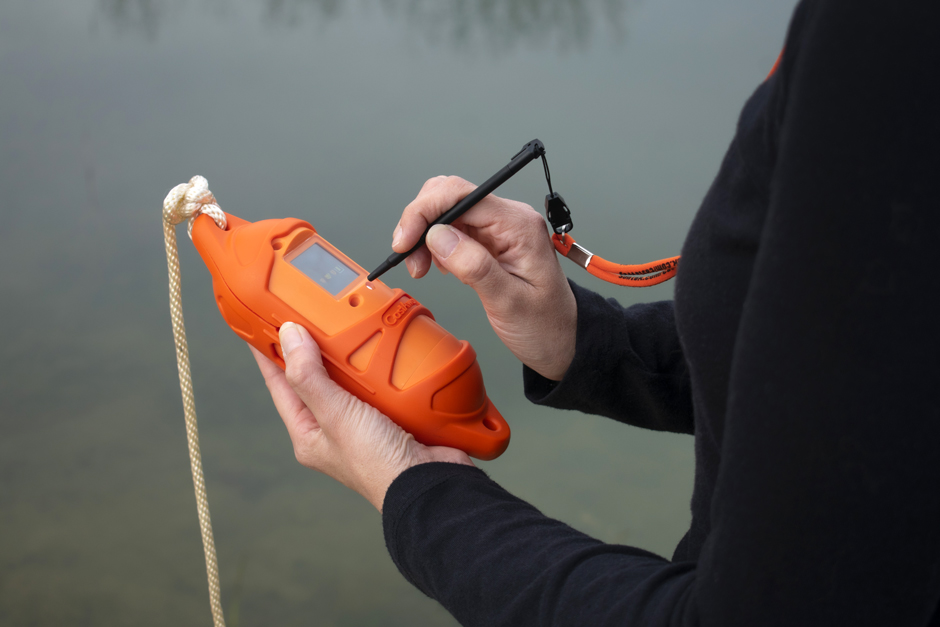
436	197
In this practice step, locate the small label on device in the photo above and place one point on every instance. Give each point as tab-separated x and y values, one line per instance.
397	311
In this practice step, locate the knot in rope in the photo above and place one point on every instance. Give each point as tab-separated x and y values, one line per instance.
187	201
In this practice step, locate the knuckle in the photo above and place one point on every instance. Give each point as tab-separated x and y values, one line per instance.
526	219
297	372
532	219
433	182
299	455
308	456
475	276
473	266
293	374
411	210
436	196
458	186
413	220
420	210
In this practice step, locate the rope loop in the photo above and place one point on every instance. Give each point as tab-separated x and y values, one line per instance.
187	201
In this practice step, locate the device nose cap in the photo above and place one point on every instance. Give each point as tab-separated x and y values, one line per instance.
463	395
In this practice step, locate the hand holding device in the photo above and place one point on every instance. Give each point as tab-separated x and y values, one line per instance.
333	431
378	343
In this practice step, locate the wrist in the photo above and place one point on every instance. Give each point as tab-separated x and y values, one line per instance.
564	343
418	454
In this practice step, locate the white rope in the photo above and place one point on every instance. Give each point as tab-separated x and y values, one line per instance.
186	202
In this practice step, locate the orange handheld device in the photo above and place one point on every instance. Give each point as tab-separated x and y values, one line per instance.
379	343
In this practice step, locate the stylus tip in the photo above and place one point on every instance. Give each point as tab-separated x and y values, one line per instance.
382	269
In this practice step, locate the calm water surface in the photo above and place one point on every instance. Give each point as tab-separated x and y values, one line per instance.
334	112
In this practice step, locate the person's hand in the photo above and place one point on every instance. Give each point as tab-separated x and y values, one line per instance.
333	431
501	249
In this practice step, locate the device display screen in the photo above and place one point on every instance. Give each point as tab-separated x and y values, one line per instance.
324	268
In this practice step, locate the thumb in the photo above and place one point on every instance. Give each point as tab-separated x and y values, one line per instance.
306	373
466	259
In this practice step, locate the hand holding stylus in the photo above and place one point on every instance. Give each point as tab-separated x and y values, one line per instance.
501	249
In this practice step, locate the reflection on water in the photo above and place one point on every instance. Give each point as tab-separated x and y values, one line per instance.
144	16
541	23
295	12
464	24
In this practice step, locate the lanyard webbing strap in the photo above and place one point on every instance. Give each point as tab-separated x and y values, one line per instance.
631	275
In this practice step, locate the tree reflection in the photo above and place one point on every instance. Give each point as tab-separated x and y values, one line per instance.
492	24
137	15
508	23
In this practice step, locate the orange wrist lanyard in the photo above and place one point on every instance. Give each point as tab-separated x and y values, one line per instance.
635	275
628	275
638	275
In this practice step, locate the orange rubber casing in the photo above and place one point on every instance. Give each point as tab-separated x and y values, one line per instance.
378	343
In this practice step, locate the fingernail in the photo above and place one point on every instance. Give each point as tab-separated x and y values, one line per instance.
290	337
410	264
396	236
442	240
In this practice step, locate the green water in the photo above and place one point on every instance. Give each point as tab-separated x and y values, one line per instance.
334	112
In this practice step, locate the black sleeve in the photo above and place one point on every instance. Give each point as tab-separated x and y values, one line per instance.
827	507
491	559
628	365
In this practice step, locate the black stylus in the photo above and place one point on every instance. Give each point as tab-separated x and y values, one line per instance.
533	150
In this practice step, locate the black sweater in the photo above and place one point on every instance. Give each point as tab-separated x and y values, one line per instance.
801	351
